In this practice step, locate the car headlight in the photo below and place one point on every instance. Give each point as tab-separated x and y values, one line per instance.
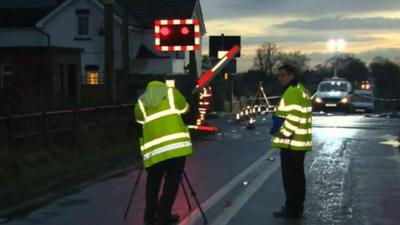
344	100
318	100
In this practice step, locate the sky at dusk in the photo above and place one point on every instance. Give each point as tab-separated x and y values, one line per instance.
369	27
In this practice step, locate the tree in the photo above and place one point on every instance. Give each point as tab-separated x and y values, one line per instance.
349	67
295	58
387	77
266	57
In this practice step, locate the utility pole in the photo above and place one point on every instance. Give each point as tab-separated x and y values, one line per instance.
193	77
193	66
125	47
109	50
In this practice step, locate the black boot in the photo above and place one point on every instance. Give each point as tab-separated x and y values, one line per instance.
286	213
167	220
150	217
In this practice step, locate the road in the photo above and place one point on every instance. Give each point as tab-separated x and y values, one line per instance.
353	177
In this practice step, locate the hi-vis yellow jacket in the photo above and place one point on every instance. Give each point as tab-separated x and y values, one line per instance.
296	109
165	135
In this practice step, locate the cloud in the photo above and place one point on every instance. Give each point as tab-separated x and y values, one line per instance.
343	23
246	62
303	38
247	8
307	25
366	56
390	53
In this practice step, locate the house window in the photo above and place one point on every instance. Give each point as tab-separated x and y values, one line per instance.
92	75
6	76
82	25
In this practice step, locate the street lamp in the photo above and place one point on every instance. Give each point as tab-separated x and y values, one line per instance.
336	45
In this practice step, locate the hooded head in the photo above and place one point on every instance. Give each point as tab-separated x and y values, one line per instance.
155	92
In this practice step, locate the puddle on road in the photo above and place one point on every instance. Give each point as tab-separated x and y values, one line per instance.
390	140
326	177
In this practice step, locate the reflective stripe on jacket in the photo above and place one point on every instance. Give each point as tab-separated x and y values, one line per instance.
295	108
165	135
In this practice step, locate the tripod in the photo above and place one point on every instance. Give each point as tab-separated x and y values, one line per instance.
194	195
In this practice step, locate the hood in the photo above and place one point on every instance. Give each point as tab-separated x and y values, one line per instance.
331	94
156	91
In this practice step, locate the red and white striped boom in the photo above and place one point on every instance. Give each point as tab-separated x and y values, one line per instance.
210	74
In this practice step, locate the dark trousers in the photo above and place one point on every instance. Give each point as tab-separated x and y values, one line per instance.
171	170
294	182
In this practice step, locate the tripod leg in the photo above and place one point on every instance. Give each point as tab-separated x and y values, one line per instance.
195	198
133	192
186	196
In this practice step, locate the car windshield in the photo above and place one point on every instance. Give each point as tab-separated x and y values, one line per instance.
333	86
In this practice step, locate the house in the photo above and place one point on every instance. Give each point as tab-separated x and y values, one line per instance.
46	78
79	24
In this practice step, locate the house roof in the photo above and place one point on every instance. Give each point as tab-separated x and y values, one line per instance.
24	13
119	10
146	11
38	49
146	53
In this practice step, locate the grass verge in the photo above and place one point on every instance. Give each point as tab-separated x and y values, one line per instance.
32	171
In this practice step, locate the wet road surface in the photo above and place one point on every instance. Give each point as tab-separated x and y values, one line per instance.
352	178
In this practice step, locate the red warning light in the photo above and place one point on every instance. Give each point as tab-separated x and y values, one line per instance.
165	31
185	30
177	35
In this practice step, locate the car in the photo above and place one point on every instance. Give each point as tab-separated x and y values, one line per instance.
363	101
333	94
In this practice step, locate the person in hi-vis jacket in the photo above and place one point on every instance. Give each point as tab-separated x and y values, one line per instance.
164	146
292	134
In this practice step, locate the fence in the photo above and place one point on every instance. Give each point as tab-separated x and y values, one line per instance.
66	127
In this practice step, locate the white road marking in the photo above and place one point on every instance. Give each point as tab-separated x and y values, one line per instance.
243	198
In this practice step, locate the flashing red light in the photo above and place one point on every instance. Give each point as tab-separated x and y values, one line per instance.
207	128
185	30
165	31
177	35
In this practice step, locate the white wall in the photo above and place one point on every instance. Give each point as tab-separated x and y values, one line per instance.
158	66
93	49
178	66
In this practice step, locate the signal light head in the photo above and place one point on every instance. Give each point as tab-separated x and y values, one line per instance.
165	31
177	35
185	30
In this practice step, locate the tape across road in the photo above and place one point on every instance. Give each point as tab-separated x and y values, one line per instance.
379	99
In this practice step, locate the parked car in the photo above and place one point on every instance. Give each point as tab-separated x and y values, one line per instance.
333	94
363	101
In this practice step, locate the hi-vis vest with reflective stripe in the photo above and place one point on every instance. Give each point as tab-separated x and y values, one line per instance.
296	108
165	135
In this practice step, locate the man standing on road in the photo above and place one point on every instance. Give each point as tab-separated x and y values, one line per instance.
164	146
292	133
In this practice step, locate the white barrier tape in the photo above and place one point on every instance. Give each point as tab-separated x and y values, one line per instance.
379	99
272	97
